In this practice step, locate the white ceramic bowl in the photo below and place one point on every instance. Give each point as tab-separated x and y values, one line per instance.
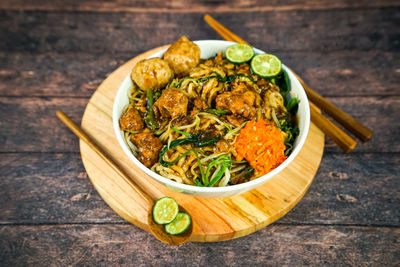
210	48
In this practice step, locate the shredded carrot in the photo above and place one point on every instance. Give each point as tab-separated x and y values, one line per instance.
262	145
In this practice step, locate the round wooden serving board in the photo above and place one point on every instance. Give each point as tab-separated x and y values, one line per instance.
215	219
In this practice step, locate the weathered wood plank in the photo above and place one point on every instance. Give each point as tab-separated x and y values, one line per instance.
351	189
29	124
378	114
49	188
111	245
187	6
54	74
364	29
340	73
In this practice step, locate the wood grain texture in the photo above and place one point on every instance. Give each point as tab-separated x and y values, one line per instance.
361	29
78	74
341	139
353	189
125	245
180	6
36	115
55	74
49	188
29	124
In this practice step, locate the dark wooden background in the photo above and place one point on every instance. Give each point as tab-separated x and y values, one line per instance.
54	54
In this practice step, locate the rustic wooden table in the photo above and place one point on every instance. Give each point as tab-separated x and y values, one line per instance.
54	55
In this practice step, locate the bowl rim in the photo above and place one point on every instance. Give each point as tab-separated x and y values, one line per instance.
237	187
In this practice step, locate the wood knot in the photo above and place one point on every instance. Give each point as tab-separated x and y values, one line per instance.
346	198
339	175
80	197
82	175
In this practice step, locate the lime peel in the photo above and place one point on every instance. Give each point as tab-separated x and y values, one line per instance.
239	53
266	65
165	210
179	225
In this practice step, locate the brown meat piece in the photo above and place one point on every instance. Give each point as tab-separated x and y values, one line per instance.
154	73
148	145
131	120
171	104
182	56
238	102
199	105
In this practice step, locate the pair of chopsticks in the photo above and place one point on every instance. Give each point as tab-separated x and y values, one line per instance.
344	141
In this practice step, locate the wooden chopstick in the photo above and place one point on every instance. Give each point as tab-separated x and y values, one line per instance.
348	122
107	158
345	142
342	139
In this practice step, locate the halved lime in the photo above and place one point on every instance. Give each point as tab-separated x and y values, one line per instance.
179	225
266	65
165	210
239	53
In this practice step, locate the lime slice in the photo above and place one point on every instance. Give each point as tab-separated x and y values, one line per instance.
239	53
266	65
165	210
179	225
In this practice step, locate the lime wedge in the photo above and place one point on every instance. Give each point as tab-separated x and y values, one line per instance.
239	53
266	65
165	210
179	225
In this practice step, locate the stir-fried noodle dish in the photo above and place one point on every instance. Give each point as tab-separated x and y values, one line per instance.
209	122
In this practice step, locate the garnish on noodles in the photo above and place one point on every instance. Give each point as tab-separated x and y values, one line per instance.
208	122
262	145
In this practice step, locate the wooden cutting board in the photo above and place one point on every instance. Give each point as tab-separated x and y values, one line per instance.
214	219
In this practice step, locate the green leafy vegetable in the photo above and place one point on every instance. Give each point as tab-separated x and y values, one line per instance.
149	118
206	142
293	105
156	95
292	131
217	112
286	123
178	131
198	183
283	82
249	173
196	140
225	162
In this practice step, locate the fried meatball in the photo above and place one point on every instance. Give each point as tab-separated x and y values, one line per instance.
148	145
182	56
131	120
152	73
171	104
238	103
